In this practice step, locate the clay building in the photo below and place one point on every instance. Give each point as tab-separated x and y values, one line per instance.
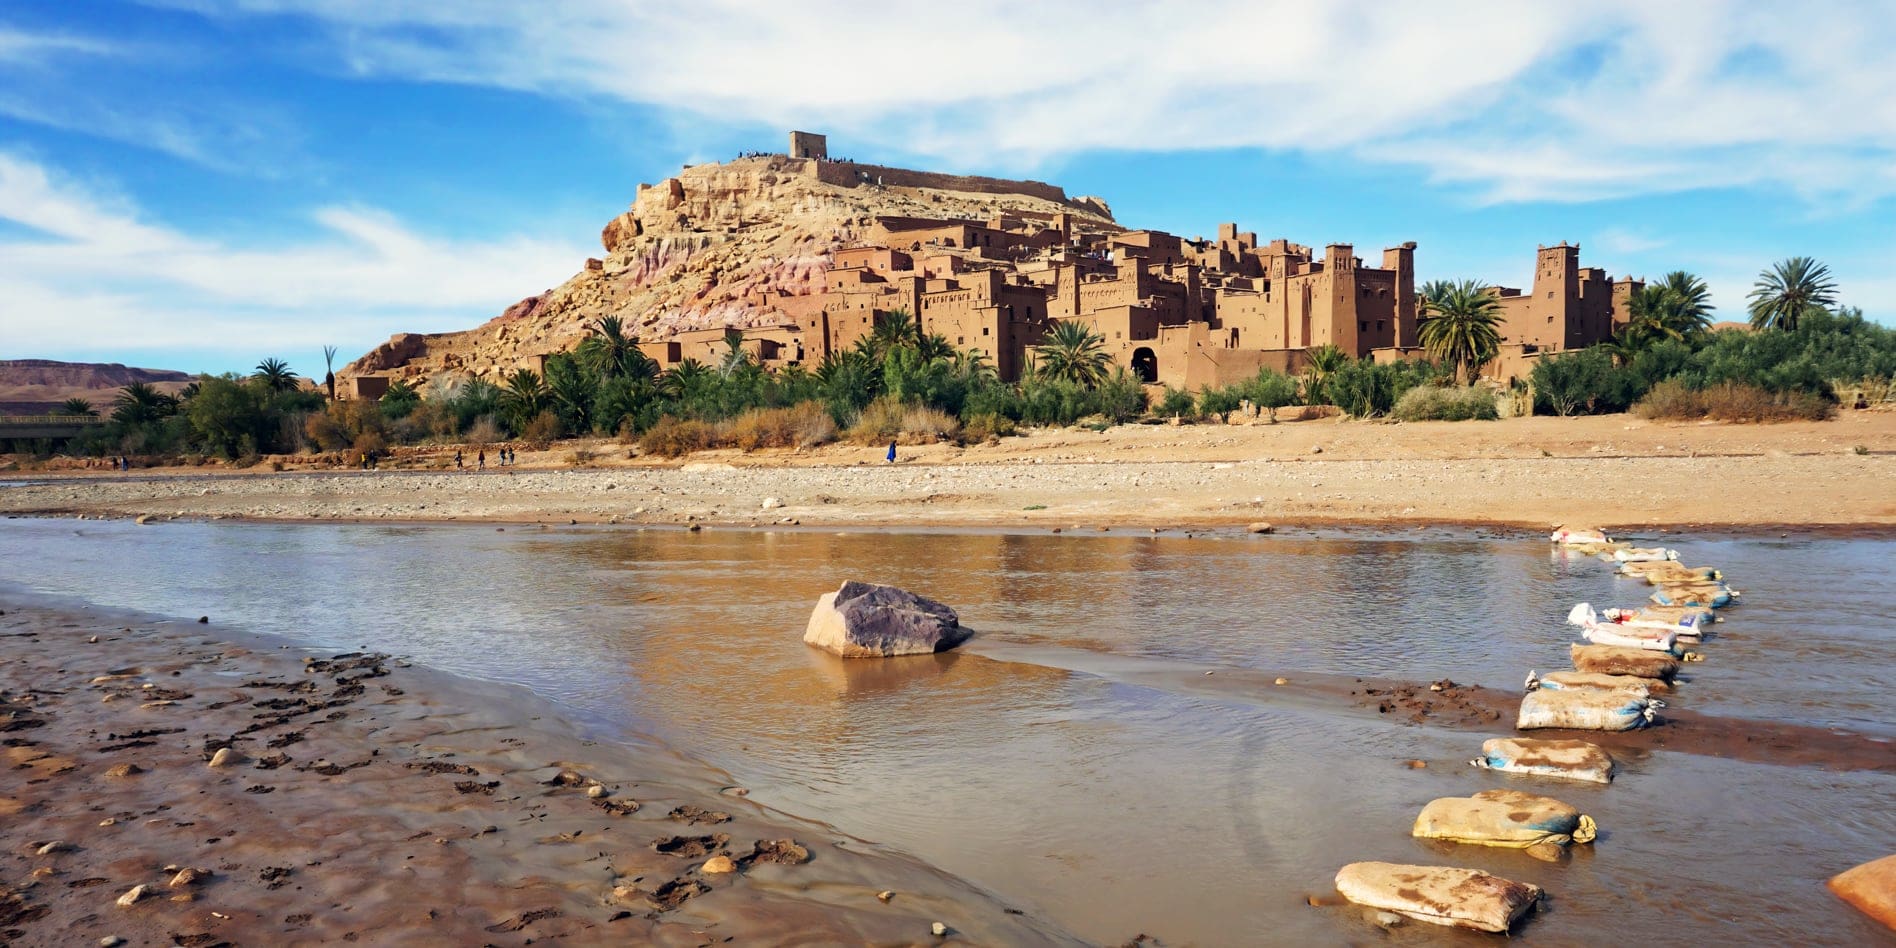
1569	307
1171	310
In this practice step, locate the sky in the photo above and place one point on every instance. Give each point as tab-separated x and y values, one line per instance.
199	184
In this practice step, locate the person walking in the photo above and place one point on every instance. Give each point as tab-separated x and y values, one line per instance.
892	452
480	460
458	463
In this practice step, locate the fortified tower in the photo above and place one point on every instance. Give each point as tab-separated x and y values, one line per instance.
809	145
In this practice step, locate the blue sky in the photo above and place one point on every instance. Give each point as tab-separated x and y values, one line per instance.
197	184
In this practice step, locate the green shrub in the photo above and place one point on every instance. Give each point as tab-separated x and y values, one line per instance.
1584	382
1176	403
1433	403
1219	401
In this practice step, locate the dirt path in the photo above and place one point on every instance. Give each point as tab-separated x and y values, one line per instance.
1611	470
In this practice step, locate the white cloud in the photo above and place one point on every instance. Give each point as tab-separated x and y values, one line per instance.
82	258
1515	101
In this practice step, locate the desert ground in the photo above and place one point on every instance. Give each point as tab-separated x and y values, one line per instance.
1611	470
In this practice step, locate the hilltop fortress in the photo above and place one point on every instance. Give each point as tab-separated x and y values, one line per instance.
803	255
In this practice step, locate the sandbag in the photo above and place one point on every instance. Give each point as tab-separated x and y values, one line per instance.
1585	709
1573	536
1619	684
1613	660
1715	595
1870	889
1566	760
1651	640
1683	621
1667	571
1440	895
1650	554
1506	818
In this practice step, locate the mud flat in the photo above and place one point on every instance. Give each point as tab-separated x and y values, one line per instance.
173	782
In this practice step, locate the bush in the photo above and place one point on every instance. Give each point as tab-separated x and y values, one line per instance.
541	430
1433	403
1176	403
987	426
1730	401
887	419
483	432
805	425
1120	398
1219	401
1585	382
673	437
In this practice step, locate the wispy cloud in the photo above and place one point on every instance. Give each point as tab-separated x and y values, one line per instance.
1512	101
88	259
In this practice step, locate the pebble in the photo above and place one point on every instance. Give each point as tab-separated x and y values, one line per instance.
938	929
224	757
1316	449
111	941
1416	764
1261	527
718	864
124	770
1388	919
56	846
1281	681
885	895
137	892
597	791
771	503
186	877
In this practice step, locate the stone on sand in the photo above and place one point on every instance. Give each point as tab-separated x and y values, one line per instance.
133	895
224	757
865	620
719	864
1261	527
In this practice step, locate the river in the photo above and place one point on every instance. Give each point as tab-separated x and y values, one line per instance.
1050	761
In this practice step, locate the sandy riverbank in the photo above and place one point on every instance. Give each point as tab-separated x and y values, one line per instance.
369	799
1608	470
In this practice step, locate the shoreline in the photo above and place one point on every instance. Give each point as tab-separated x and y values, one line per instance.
373	797
1529	473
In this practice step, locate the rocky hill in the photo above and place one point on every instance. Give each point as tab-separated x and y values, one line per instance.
699	250
36	386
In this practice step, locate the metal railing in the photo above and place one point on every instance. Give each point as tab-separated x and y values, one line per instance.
42	420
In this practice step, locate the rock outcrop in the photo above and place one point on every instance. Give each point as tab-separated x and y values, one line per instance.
864	620
709	249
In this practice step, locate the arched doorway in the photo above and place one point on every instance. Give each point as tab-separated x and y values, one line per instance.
1145	365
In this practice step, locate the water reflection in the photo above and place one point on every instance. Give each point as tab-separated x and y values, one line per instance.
1114	802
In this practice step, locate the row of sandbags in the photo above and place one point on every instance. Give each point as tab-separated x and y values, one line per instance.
1632	654
1632	657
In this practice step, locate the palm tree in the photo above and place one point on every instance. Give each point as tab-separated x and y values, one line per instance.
524	396
935	347
1785	291
77	406
275	375
894	329
1462	325
735	357
1677	308
1692	301
1073	352
139	403
329	371
611	353
684	380
1321	362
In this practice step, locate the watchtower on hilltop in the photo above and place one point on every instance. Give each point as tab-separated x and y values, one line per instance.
809	145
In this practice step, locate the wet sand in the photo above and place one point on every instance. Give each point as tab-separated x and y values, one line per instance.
367	799
1613	471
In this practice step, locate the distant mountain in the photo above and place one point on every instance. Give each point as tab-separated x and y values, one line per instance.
37	386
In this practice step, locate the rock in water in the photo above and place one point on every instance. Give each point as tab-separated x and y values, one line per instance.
864	620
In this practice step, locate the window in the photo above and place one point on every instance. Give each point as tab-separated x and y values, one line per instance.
984	330
1379	325
960	341
1362	326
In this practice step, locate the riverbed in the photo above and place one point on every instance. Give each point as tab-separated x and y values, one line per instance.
1059	759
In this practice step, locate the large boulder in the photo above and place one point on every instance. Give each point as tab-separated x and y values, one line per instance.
864	620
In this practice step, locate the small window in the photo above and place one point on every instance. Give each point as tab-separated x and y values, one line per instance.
1550	294
960	341
1362	326
984	330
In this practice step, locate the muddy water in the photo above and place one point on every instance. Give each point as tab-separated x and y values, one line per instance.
1051	761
